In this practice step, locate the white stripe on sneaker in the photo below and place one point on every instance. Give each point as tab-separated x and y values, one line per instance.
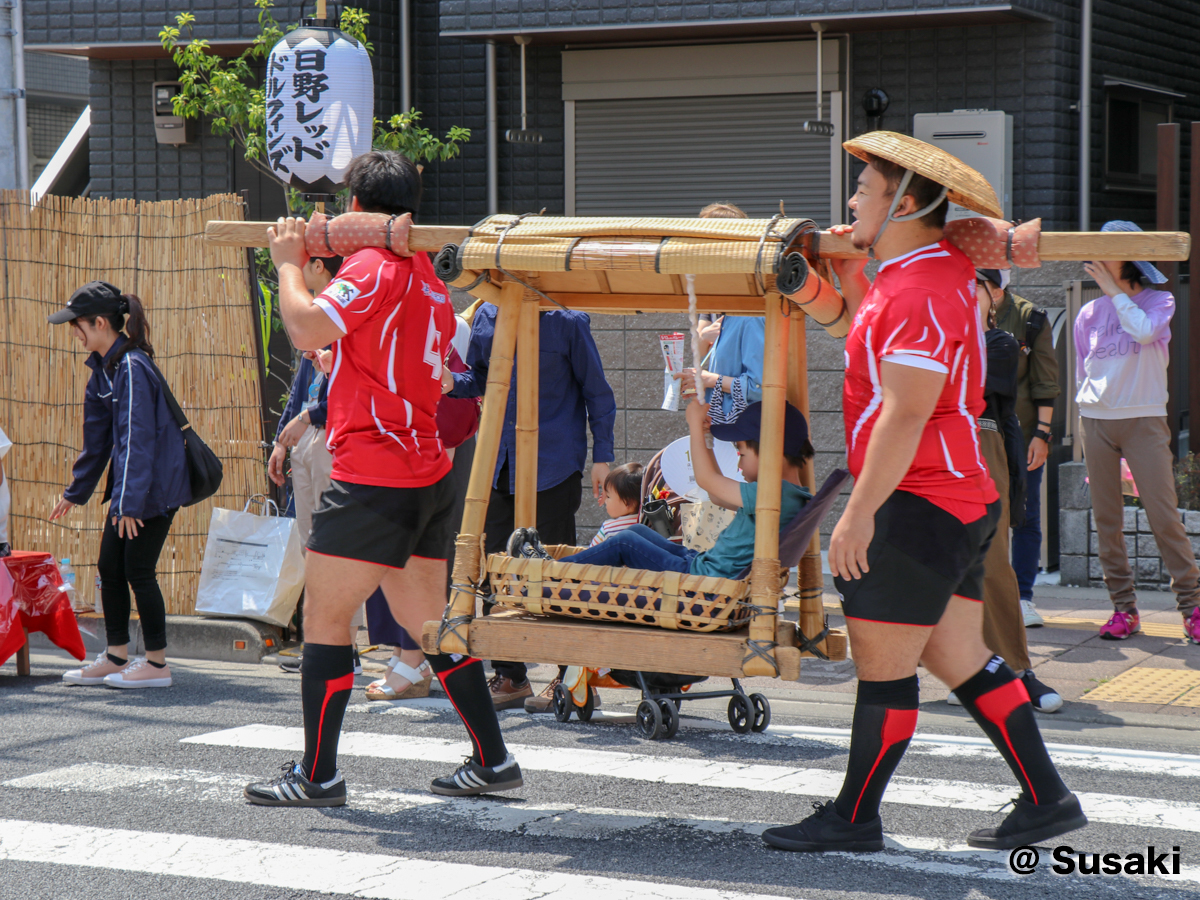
1114	809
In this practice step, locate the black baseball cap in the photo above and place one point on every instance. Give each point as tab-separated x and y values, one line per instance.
748	426
96	298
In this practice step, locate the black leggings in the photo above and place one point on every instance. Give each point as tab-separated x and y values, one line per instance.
126	562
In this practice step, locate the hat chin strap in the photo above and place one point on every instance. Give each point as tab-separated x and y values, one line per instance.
896	198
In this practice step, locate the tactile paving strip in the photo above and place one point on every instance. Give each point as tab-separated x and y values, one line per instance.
1162	687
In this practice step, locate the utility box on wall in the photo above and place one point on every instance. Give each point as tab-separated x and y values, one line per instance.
168	127
981	138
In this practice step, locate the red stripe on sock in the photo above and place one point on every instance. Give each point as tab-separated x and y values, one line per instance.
898	725
461	665
474	740
345	683
997	705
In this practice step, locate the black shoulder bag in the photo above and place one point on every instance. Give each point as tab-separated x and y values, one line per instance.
204	468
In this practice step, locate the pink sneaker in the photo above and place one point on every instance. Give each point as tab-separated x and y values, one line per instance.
1191	626
95	673
1121	626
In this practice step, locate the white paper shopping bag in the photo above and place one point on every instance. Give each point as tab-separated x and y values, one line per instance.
253	565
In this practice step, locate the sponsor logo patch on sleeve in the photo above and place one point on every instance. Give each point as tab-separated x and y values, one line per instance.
343	293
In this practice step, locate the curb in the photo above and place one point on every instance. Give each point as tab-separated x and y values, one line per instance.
188	637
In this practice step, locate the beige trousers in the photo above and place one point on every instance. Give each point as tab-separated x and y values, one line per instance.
1003	621
311	464
1145	442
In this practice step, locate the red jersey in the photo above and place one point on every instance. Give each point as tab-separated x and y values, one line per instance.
386	382
921	311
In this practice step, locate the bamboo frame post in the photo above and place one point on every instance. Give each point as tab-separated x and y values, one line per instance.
810	581
764	574
468	547
528	357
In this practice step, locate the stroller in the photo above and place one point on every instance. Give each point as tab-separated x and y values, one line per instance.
663	694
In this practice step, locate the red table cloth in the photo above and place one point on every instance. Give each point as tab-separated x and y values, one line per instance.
32	599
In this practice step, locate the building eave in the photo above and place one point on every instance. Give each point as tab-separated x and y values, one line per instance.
132	49
768	26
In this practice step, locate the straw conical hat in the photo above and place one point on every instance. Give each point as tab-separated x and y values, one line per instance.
967	187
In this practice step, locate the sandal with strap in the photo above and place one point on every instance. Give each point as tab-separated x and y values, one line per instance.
418	683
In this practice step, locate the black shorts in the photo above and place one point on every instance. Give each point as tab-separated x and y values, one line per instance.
920	557
384	525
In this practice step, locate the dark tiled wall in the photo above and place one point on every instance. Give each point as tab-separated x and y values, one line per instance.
136	21
1020	69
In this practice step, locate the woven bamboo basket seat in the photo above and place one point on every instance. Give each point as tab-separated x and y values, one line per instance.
671	600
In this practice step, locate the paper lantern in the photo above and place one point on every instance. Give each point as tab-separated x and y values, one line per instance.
320	100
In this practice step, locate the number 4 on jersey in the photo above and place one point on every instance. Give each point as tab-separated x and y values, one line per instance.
433	345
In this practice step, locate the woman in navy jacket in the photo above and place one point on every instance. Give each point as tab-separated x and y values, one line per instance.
128	429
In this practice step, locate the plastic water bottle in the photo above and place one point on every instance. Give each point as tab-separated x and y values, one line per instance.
68	577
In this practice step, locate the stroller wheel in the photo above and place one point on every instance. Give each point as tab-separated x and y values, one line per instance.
670	717
762	713
741	716
649	719
563	704
585	712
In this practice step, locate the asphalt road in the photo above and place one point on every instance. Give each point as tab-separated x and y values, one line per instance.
111	794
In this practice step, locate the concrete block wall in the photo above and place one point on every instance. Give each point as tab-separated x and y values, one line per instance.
1079	544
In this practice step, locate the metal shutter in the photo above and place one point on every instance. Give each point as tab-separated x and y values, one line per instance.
675	155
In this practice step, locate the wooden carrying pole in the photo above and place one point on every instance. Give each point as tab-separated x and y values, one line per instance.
810	581
764	573
1053	245
468	547
528	356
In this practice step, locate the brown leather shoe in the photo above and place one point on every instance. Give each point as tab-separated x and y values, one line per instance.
506	695
543	702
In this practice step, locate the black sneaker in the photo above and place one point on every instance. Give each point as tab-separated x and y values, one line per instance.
532	548
1030	824
357	663
1044	699
291	664
291	788
826	830
472	778
516	541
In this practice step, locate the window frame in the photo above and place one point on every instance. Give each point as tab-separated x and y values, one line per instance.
1125	92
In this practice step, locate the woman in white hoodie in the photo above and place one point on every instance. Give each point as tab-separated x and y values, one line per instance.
1121	347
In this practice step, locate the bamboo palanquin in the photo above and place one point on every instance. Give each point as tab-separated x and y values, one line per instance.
777	269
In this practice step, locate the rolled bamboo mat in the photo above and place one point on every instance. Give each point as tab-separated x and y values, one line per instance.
665	255
557	226
201	324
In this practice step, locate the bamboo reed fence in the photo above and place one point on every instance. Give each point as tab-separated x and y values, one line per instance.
203	327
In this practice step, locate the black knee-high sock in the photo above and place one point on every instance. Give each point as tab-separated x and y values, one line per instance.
885	717
326	680
462	678
996	698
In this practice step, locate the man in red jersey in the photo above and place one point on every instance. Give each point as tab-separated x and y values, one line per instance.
908	552
386	520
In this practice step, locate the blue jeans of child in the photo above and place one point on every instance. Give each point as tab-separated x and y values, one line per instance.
638	547
1027	539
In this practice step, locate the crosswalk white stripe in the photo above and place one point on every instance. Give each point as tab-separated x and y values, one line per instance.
369	875
1100	759
1110	808
554	820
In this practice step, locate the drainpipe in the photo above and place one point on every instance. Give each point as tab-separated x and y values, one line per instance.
493	147
18	50
1085	117
406	45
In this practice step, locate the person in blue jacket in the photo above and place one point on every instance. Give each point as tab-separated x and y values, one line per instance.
128	429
